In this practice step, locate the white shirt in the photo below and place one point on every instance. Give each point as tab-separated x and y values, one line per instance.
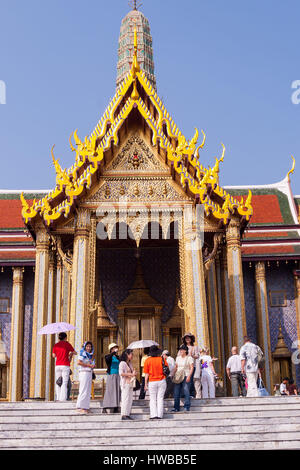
184	362
283	388
234	363
249	352
171	363
206	360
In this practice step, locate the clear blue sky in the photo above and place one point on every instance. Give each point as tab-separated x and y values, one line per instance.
224	66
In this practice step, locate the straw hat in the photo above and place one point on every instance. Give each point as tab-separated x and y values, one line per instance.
190	335
112	345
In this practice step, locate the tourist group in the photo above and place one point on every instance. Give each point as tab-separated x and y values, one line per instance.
190	375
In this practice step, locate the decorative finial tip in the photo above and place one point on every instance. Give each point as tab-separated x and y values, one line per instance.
134	4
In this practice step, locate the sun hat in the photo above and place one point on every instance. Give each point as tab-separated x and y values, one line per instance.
190	335
112	345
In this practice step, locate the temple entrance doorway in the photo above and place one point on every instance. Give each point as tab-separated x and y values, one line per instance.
137	289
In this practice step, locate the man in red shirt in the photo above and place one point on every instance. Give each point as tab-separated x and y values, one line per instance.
63	351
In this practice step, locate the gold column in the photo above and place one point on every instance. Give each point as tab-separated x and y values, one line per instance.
262	316
213	309
59	289
40	307
49	379
91	332
193	284
80	283
16	339
236	284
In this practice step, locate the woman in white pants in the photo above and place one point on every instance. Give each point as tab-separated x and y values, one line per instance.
127	382
155	381
207	374
86	365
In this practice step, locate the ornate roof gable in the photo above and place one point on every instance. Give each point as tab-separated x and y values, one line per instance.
180	154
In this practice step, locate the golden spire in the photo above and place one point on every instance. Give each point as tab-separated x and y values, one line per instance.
135	68
133	4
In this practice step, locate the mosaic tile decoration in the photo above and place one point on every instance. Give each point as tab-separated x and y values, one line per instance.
281	278
250	306
28	319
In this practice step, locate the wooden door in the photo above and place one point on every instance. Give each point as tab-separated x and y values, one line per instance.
138	327
282	367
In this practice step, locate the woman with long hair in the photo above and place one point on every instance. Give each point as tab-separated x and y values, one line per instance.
86	365
193	351
127	375
156	381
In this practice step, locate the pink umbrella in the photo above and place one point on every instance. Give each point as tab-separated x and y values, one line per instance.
59	327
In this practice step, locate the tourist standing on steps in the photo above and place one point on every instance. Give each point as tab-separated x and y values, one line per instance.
155	380
142	391
112	396
188	340
251	354
208	374
182	375
63	352
171	363
128	376
234	373
86	365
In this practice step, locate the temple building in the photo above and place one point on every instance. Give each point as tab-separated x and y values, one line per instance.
137	239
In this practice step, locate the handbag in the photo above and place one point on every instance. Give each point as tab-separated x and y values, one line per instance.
166	370
179	375
262	392
59	381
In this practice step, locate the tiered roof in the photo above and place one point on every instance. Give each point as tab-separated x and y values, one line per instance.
16	245
182	156
274	231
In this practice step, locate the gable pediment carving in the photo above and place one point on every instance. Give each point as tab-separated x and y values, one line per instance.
137	158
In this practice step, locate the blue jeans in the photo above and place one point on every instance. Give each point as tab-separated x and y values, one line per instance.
178	389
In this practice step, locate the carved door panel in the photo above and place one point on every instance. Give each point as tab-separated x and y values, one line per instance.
133	334
137	328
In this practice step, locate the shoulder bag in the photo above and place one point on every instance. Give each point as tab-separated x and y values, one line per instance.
180	374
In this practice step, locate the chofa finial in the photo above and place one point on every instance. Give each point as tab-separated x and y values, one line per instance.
291	170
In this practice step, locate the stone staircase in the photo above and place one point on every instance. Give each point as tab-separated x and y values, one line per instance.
222	423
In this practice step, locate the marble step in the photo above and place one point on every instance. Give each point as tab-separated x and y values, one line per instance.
74	417
161	440
199	430
148	424
229	401
289	407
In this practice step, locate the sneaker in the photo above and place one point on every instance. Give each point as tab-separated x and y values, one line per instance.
186	410
174	411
